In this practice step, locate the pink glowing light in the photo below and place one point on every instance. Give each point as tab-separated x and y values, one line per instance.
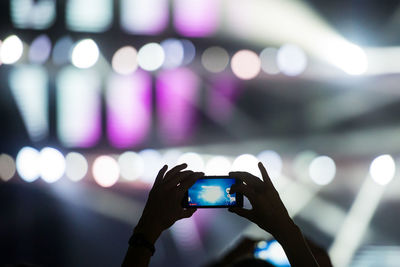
128	101
177	93
196	18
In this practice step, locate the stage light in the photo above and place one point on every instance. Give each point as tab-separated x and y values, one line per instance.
215	59
194	161
129	108
177	95
152	164
272	162
221	97
171	156
31	14
245	64
268	59
189	51
151	56
144	17
78	107
246	163
301	164
27	163
76	166
291	60
85	54
29	86
382	169
131	165
347	56
322	170
124	60
11	50
174	53
196	18
89	15
62	50
51	164
105	171
7	167
218	165
40	49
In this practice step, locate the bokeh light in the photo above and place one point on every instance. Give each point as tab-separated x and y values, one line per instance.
152	164
171	156
194	161
347	56
131	165
189	51
28	164
52	164
62	50
151	56
76	166
322	170
246	163
11	50
291	60
268	58
215	59
85	54
7	167
218	165
301	164
174	53
124	61
245	64
382	169
272	162
40	49
105	171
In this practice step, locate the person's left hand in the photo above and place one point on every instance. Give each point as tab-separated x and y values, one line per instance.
164	204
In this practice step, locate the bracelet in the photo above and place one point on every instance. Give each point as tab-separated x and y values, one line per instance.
139	240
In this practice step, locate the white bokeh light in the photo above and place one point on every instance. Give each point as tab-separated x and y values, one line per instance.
52	164
246	163
152	164
215	59
272	162
124	61
105	171
171	156
28	164
382	169
85	54
194	161
347	56
174	53
76	166
218	165
131	165
245	64
11	50
291	60
268	59
151	56
322	170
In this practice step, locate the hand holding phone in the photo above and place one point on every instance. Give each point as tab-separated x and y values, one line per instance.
213	192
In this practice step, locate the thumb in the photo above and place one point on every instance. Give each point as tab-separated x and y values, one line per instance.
241	212
186	213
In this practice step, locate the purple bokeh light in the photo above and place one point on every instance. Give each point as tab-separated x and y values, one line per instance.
177	95
128	101
40	49
196	18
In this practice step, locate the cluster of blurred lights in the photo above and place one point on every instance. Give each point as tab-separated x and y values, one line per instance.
50	164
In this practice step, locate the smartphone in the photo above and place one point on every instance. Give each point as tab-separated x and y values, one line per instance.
213	192
272	252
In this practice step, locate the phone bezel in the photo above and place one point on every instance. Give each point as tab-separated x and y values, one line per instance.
239	196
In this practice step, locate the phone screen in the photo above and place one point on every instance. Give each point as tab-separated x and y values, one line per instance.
272	252
213	191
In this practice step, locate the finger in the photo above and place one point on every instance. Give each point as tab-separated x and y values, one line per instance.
245	190
242	212
174	171
188	181
186	213
246	177
265	175
160	175
174	181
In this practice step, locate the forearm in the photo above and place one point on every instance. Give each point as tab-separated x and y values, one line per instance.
295	246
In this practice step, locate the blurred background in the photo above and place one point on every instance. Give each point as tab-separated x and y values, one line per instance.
96	95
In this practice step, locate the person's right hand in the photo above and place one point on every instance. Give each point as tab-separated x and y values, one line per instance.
268	210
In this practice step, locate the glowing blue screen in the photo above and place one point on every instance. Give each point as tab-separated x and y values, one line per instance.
212	192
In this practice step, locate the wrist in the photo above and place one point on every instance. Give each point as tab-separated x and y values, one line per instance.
286	231
149	231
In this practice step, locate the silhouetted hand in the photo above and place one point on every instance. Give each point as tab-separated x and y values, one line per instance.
268	211
164	204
